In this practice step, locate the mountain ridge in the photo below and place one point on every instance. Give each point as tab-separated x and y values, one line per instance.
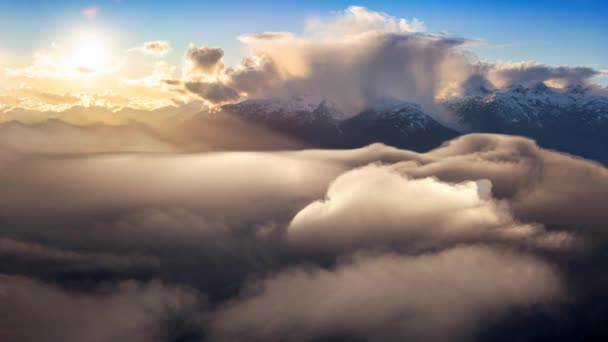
573	120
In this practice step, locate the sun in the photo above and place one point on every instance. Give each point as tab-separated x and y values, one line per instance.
88	55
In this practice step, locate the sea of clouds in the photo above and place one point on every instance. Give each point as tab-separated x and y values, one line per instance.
375	243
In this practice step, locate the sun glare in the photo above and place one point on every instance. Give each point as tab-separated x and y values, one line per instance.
88	55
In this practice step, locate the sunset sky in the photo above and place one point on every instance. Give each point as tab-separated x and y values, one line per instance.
97	51
306	171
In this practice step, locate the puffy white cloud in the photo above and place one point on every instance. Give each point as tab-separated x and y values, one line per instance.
357	20
377	207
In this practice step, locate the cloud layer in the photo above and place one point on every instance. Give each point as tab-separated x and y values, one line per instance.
391	297
448	244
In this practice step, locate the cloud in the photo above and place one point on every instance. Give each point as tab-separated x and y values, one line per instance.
55	136
100	128
353	59
26	93
353	74
43	65
527	176
36	259
204	60
356	20
358	57
158	48
51	65
34	311
213	92
376	206
35	102
295	241
203	76
9	101
531	73
265	36
520	173
162	71
390	297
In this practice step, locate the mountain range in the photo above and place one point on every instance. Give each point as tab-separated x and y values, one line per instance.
322	124
572	120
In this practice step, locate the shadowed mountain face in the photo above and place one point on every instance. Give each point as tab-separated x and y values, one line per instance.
574	120
399	124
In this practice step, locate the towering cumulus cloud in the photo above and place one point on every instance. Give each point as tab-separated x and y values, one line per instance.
375	243
356	59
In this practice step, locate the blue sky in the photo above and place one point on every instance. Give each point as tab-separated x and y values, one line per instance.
552	32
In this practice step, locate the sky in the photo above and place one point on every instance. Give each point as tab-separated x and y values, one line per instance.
101	42
553	32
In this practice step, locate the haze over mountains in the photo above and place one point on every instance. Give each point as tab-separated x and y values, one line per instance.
572	120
